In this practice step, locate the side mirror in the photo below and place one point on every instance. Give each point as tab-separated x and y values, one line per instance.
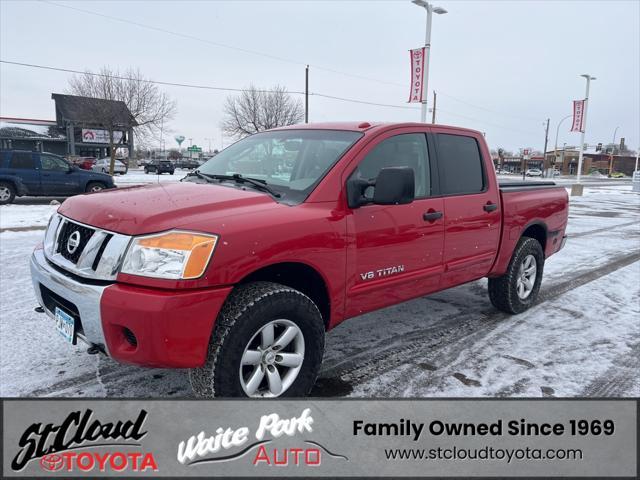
395	186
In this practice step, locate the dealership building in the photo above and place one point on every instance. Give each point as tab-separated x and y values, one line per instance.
78	128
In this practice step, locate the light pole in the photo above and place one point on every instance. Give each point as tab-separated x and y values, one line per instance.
613	150
427	43
555	146
584	125
209	140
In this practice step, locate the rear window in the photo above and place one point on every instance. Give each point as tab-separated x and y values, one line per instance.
22	160
460	164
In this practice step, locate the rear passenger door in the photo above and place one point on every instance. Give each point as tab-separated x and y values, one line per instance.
471	207
57	178
24	166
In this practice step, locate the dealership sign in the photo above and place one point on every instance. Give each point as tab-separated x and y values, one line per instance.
578	116
417	74
91	135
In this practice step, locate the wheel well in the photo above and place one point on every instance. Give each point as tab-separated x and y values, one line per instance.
300	276
538	232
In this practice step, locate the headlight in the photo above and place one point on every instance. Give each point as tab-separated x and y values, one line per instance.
174	255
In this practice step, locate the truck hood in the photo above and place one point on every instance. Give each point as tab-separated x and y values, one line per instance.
155	208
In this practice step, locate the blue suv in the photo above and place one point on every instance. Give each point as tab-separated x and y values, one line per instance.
24	172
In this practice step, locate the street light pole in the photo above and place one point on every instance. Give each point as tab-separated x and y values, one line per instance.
584	125
427	43
555	146
613	149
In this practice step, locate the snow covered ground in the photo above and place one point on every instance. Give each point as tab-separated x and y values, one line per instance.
582	339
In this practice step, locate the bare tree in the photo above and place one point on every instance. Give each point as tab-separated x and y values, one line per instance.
255	110
150	107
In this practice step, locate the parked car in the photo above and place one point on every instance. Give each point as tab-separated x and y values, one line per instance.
103	165
239	270
85	163
617	175
30	173
533	172
159	167
501	171
187	163
555	172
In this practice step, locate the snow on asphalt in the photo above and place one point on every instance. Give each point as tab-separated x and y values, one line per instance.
582	339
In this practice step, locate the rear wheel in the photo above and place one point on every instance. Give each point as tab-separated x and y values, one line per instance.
95	187
517	290
268	342
7	193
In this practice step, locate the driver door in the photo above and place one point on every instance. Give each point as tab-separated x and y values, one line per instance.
395	251
57	177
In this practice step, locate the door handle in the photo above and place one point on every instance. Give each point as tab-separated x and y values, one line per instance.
490	207
432	216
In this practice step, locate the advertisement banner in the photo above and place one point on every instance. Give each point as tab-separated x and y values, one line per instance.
578	115
92	135
320	438
417	57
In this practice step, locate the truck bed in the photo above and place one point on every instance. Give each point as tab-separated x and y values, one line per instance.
541	205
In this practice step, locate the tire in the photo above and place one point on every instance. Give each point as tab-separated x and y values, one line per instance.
104	170
248	309
93	187
146	171
504	290
171	172
7	193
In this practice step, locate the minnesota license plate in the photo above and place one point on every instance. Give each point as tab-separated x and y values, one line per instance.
65	324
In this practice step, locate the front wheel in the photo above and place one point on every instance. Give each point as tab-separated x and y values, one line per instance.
7	193
517	290
268	342
93	187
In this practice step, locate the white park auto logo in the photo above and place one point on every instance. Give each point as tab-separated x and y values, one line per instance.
201	449
73	242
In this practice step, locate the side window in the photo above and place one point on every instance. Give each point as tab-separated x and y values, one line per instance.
22	160
459	164
406	150
49	162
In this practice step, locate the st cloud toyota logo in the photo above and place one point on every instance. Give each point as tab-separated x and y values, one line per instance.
73	445
73	242
234	444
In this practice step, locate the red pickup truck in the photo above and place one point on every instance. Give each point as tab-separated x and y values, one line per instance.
237	271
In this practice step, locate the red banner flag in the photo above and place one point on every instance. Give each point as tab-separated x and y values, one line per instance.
578	116
417	74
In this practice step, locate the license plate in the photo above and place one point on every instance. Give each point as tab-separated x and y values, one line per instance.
65	324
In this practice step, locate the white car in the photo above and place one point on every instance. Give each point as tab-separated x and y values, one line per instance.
534	172
103	164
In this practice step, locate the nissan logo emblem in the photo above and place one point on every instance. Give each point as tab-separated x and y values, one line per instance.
74	242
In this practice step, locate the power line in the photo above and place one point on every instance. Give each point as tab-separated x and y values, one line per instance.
486	109
203	87
231	89
221	45
273	57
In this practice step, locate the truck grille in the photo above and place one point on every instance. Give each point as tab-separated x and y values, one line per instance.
84	250
71	248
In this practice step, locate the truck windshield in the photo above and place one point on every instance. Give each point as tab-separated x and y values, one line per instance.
291	162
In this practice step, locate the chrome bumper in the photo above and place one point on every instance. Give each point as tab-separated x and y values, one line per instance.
86	297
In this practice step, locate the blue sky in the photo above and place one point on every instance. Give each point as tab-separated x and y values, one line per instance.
501	67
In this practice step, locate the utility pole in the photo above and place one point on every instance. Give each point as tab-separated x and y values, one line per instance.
306	94
433	116
427	43
544	152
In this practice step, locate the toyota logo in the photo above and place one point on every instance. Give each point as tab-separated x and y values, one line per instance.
73	243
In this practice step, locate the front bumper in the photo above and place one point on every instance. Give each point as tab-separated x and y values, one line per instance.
143	326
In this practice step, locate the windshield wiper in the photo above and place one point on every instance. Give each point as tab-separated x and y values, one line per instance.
236	177
199	174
